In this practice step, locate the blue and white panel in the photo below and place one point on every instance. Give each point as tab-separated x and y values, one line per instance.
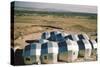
53	47
33	49
75	37
86	46
75	46
88	49
72	50
53	33
83	36
75	50
64	34
26	50
42	41
26	53
44	48
56	36
80	36
81	45
69	45
62	46
45	35
94	47
68	37
38	49
59	37
93	44
52	36
72	45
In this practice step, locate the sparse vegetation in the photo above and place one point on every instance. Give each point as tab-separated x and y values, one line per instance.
30	22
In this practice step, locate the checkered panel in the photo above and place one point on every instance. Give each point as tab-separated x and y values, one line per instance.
93	44
58	42
52	47
81	45
75	37
62	46
44	48
83	36
32	49
87	44
26	50
41	41
45	35
59	37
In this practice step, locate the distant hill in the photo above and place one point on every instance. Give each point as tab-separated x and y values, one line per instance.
54	7
41	9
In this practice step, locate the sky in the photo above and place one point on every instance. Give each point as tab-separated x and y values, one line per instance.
61	7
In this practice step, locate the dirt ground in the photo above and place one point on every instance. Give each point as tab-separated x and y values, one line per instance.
31	28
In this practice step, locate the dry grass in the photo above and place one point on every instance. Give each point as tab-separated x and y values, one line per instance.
32	26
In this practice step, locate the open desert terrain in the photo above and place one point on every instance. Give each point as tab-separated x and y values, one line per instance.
30	25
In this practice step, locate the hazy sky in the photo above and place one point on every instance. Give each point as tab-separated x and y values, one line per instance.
63	7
